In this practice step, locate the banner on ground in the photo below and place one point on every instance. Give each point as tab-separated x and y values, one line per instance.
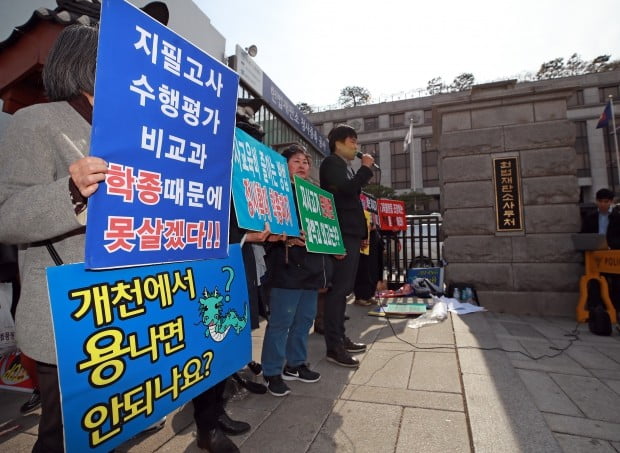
261	187
319	220
433	274
164	121
133	344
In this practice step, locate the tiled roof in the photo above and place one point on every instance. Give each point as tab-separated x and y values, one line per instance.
68	12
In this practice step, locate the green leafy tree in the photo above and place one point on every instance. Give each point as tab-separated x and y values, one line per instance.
575	66
414	201
551	69
379	191
598	64
353	96
305	108
435	86
462	82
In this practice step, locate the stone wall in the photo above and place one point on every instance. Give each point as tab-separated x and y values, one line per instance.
536	270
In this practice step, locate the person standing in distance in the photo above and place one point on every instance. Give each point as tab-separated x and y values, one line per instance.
338	177
597	221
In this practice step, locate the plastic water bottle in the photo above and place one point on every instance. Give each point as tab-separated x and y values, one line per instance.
456	294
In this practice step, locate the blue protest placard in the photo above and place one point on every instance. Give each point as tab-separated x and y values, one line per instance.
261	187
133	344
163	119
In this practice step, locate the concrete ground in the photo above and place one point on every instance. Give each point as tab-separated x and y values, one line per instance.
446	387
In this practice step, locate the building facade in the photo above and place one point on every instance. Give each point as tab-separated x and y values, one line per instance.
508	165
413	165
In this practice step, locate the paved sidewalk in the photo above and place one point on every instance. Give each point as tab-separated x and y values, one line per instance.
429	390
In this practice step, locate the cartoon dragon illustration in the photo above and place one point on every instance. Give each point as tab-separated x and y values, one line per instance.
213	317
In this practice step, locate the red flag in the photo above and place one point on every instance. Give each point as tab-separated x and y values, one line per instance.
603	120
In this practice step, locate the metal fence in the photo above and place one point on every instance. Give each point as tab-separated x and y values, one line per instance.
419	246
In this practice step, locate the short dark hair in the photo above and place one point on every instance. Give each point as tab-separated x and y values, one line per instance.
296	148
604	194
338	134
70	67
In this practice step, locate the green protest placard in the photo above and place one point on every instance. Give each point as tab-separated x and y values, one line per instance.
318	218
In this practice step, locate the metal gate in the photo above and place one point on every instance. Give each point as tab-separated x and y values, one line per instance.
420	245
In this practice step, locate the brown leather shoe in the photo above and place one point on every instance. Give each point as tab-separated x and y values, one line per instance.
216	441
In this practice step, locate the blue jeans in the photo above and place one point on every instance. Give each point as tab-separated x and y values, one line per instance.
292	313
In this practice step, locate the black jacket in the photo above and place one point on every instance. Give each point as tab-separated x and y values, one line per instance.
613	229
303	270
296	268
589	223
334	178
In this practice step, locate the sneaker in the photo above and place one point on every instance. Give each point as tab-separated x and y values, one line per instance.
300	373
34	402
256	368
276	385
343	358
352	347
363	302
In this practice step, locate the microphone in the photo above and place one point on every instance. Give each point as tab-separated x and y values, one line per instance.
359	154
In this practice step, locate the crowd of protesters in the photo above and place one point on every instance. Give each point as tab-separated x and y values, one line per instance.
46	180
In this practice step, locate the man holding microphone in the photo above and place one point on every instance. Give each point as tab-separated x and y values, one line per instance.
338	177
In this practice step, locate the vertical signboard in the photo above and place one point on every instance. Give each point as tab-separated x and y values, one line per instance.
508	204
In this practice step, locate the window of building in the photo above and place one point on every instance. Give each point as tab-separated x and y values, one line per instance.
397	119
581	148
371	123
401	171
575	99
604	92
428	116
373	150
430	168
